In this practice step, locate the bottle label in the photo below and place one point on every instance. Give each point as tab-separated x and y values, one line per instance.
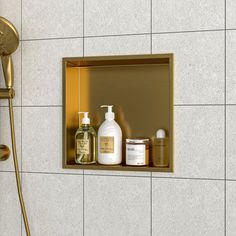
135	155
106	144
82	146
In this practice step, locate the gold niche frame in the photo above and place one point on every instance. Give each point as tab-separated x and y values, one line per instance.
139	86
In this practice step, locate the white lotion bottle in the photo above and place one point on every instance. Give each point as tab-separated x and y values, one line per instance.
109	140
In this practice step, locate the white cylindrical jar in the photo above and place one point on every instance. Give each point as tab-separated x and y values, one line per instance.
137	152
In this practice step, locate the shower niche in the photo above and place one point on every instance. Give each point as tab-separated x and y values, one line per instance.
141	89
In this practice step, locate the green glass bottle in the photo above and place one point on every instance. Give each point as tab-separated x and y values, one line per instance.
85	142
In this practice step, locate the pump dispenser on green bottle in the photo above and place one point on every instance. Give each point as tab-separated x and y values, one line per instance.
85	142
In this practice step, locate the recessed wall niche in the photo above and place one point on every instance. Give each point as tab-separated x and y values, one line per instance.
141	89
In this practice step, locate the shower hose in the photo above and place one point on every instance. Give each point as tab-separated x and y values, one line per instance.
18	182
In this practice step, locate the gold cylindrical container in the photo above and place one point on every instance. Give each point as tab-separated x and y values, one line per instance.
137	152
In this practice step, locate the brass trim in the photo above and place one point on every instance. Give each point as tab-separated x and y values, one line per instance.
7	93
73	68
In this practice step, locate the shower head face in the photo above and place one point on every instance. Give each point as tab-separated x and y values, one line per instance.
9	41
9	37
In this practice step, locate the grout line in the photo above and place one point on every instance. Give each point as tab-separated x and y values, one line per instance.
83	170
112	175
151	172
83	28
225	126
203	105
230	180
35	106
151	26
21	93
50	173
186	178
121	35
21	135
151	204
7	171
42	106
6	106
21	112
189	31
108	175
83	36
76	174
180	105
21	109
55	38
176	105
83	206
117	35
230	29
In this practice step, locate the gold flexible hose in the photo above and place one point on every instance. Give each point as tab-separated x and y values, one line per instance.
18	182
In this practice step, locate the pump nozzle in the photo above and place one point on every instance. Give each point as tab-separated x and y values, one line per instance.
86	119
109	114
161	133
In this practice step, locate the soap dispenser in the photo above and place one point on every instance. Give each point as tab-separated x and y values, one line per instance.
85	142
109	140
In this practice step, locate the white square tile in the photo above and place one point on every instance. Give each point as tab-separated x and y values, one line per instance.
230	67
181	15
118	45
52	19
188	207
42	69
42	140
116	206
11	10
16	58
5	136
230	14
199	65
115	17
230	208
10	219
231	142
54	204
198	142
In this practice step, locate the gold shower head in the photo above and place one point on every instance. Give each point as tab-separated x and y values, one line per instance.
9	37
9	41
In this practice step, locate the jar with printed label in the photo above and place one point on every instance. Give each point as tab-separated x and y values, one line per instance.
137	152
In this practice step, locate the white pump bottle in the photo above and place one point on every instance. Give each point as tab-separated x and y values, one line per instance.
109	140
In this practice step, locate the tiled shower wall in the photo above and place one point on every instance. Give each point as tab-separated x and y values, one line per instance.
199	198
